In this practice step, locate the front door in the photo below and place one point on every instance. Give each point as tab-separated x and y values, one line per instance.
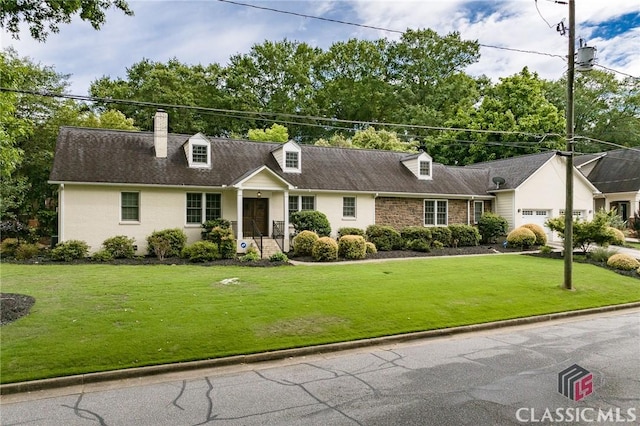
255	216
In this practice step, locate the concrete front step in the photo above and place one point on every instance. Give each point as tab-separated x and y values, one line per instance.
269	247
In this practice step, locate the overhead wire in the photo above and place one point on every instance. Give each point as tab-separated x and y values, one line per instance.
256	115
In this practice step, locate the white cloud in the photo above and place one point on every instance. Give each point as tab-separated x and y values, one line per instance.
210	31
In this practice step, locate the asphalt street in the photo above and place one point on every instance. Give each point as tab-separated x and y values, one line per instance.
497	377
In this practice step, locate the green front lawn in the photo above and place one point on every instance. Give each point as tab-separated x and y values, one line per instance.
91	318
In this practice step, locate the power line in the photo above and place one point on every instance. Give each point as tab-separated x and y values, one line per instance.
616	71
277	116
607	143
337	21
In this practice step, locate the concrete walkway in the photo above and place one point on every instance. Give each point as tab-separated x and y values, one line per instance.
559	245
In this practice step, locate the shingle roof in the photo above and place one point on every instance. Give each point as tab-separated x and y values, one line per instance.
112	156
617	171
514	170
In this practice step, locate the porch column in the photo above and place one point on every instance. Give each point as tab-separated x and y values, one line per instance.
285	209
239	214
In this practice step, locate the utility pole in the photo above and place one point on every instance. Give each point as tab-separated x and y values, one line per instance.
568	211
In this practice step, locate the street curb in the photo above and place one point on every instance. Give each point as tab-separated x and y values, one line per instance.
129	373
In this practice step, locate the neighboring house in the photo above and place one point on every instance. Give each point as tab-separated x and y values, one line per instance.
133	183
532	189
616	174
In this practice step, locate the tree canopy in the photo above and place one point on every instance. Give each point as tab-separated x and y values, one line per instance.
45	16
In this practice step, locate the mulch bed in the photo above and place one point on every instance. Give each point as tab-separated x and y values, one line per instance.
14	306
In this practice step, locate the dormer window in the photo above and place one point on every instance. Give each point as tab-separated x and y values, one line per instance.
291	160
199	154
289	157
425	168
421	165
198	151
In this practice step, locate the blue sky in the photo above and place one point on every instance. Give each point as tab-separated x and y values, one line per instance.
208	31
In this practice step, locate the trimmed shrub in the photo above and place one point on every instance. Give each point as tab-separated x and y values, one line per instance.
521	237
9	246
464	235
70	250
303	243
618	236
371	248
350	231
601	254
325	249
384	237
411	233
420	245
352	247
251	255
208	226
175	237
27	251
437	245
623	261
491	227
278	257
541	236
201	251
223	237
545	249
103	255
311	220
120	246
442	234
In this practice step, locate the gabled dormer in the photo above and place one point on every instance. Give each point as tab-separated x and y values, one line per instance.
289	157
198	151
421	165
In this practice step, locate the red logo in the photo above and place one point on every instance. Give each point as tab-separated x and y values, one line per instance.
575	382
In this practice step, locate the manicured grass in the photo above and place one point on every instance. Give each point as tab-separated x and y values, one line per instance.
632	245
91	318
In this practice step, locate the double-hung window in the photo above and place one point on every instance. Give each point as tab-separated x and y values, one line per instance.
435	212
478	210
202	207
291	160
301	202
349	207
130	206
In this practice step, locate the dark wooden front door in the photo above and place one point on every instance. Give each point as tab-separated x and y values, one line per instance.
255	211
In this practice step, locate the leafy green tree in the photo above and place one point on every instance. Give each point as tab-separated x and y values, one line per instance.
605	108
44	16
276	133
370	138
515	104
172	83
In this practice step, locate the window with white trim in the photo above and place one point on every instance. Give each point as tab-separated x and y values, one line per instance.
130	206
203	206
291	160
425	168
199	155
435	212
301	202
349	207
478	210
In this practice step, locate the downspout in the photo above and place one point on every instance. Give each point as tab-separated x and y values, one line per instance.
61	212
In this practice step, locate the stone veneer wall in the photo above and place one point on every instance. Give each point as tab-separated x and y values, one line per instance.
402	212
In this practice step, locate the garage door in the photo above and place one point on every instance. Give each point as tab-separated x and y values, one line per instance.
538	217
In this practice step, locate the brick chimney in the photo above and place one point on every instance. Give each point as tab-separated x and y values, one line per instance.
160	133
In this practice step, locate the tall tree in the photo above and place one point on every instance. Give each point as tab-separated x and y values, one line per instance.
275	133
44	16
605	108
522	119
173	83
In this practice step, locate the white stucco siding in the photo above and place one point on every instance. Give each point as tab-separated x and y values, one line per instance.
92	214
545	190
331	206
